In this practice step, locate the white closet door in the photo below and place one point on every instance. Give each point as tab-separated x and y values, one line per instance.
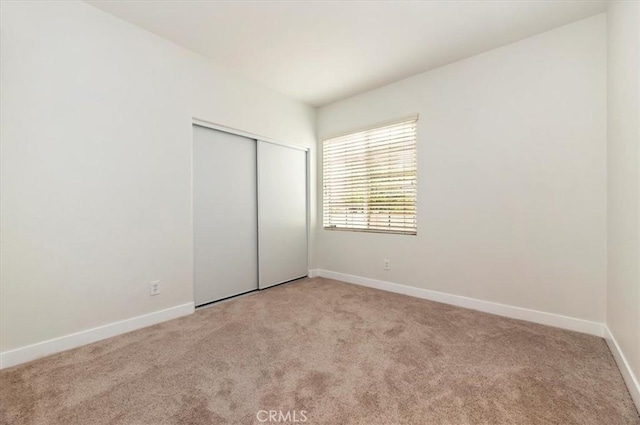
282	213
225	215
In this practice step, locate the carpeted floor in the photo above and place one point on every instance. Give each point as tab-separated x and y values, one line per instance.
332	353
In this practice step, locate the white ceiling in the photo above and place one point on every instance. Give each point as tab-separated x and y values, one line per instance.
323	51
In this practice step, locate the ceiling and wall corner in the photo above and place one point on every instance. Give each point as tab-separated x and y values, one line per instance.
322	51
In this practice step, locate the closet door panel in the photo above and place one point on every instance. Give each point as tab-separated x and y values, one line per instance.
282	213
225	215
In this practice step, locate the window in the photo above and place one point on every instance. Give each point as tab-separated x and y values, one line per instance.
370	179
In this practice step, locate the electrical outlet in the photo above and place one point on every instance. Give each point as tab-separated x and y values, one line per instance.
155	287
387	264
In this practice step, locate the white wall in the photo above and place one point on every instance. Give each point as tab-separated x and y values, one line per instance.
96	162
95	184
623	290
512	176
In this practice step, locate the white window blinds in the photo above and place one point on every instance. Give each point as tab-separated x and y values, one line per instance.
369	180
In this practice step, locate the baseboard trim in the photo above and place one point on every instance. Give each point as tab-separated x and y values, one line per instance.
625	369
541	317
313	273
67	342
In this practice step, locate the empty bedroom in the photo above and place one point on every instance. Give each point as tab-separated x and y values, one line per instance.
319	212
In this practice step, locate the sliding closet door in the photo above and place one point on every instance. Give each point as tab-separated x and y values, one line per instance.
225	215
282	211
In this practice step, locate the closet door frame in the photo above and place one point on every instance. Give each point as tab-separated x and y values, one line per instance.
256	137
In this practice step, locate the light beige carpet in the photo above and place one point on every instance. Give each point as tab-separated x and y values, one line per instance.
343	354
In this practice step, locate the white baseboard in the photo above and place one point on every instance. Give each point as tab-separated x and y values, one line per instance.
313	273
625	369
541	317
67	342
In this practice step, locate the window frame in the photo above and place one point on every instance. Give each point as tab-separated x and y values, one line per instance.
403	226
